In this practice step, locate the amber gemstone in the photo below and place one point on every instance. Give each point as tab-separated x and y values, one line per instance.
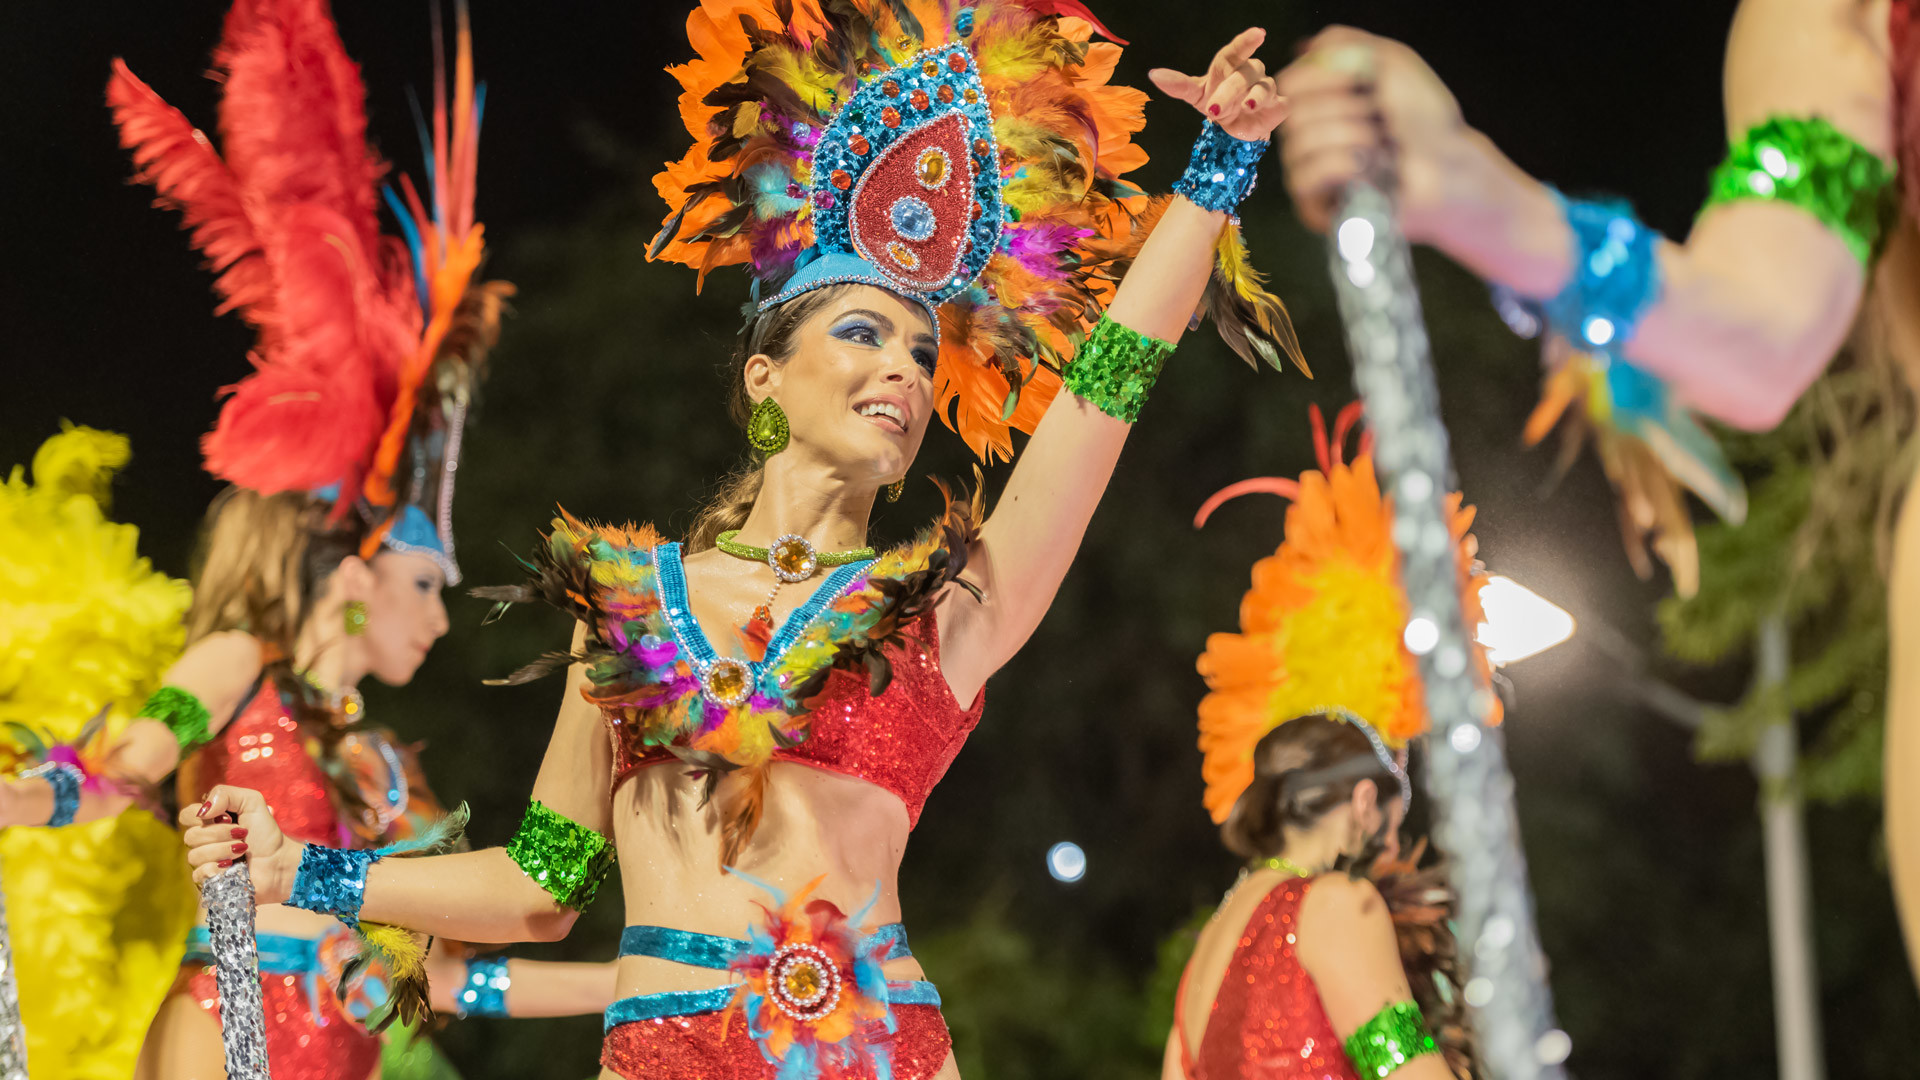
803	982
930	69
890	88
919	99
890	116
902	254
957	61
945	95
842	179
980	147
975	213
933	168
972	95
793	557
728	680
859	145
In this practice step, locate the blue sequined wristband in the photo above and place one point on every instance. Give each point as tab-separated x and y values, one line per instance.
485	991
1220	173
332	882
66	779
1616	275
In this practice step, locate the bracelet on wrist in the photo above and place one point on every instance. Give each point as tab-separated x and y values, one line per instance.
1221	170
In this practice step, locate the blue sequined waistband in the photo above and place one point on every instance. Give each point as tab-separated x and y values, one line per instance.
280	954
713	951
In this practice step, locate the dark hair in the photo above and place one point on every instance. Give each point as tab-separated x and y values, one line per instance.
773	333
1302	770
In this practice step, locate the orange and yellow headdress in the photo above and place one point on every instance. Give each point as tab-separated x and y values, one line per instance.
965	156
1323	627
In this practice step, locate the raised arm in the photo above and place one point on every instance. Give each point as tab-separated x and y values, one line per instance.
477	896
1028	543
1347	944
1751	305
203	690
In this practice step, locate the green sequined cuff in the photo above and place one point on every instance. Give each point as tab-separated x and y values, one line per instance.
565	857
1396	1035
1810	164
182	713
1115	368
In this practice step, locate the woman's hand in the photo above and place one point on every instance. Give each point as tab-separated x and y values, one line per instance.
1236	92
214	842
1353	95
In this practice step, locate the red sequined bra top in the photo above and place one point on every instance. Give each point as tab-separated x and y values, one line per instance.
903	740
1267	1020
263	748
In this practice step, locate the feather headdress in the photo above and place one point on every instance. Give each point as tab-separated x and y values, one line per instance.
369	345
968	157
1322	628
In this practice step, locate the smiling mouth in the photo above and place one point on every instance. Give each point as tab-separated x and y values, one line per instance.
884	411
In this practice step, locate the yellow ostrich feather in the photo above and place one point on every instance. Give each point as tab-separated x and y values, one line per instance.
99	912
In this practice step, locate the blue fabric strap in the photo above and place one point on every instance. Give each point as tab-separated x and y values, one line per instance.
694	1002
660	1006
332	882
1220	172
1616	275
680	946
713	951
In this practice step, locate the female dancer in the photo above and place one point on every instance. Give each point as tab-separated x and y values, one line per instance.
1299	973
320	566
1745	314
928	186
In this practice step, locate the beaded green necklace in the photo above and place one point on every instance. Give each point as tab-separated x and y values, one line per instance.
791	558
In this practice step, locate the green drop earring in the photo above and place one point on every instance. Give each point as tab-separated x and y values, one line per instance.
767	429
896	489
356	618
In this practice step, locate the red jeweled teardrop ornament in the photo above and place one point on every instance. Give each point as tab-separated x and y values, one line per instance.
912	206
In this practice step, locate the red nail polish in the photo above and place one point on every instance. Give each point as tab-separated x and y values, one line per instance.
224	863
239	834
205	807
239	849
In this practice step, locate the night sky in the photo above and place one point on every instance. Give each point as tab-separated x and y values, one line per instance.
107	320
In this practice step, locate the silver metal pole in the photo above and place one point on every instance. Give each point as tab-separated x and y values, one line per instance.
1796	980
236	972
1467	777
13	1036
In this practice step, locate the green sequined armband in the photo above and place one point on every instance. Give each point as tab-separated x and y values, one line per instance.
1115	368
182	713
1810	164
565	857
1396	1035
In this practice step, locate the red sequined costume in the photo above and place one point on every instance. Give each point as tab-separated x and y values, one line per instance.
1267	1021
706	1046
311	1033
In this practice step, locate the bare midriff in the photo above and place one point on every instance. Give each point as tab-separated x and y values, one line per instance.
816	822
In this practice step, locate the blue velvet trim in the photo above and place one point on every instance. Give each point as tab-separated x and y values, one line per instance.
1221	170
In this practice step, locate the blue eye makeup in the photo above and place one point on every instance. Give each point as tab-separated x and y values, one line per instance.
926	358
859	331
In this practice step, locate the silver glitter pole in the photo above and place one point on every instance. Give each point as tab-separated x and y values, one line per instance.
236	966
1467	777
13	1037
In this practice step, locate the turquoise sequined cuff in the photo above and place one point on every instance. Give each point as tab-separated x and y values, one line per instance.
1115	369
485	991
1616	275
1396	1035
332	882
1811	164
563	856
182	713
66	779
1221	171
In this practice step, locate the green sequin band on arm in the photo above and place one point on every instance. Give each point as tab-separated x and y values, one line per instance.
182	713
1115	368
563	856
1396	1035
1810	164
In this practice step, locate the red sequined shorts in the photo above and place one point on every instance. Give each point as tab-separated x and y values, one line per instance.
692	1048
302	1043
